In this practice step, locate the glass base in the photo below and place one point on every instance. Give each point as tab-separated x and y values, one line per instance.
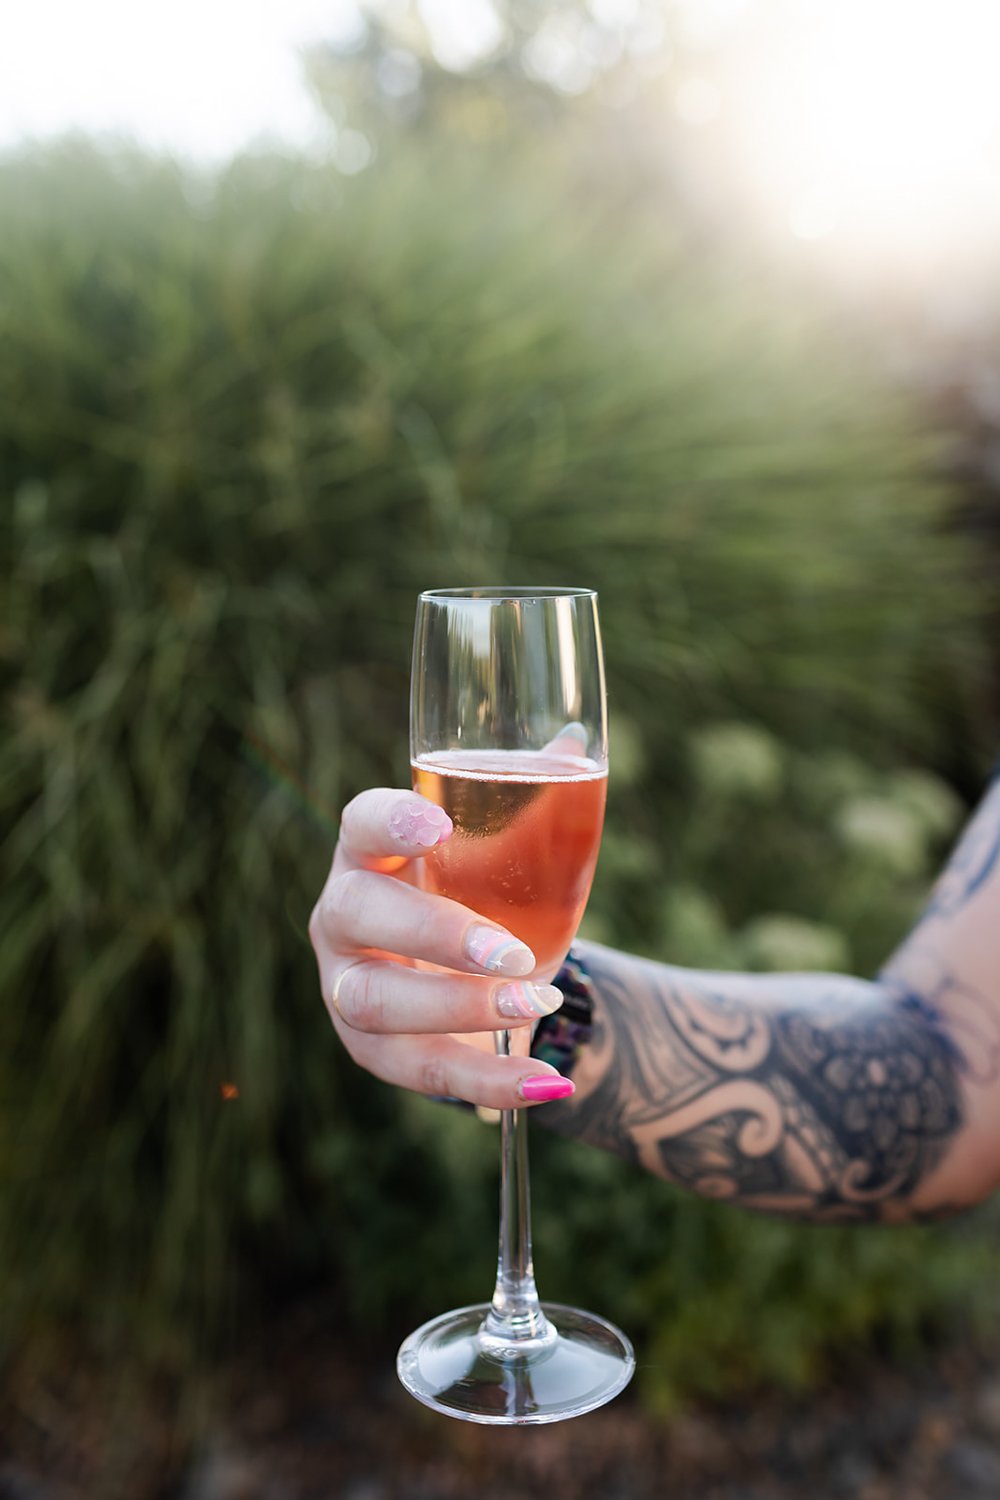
445	1366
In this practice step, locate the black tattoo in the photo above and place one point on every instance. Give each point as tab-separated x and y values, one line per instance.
973	861
927	969
924	984
822	1097
814	1095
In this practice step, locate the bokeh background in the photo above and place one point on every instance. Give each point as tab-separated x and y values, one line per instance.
695	303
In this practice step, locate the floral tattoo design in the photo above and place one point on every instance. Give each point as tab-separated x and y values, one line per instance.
822	1109
816	1095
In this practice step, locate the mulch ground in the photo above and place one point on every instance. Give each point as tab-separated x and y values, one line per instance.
302	1417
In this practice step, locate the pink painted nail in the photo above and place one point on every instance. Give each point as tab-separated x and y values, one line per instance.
543	1087
422	826
527	1001
497	952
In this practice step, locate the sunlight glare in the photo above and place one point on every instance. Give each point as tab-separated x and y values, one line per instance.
881	119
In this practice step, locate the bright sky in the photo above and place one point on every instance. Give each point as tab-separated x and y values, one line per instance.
202	77
872	126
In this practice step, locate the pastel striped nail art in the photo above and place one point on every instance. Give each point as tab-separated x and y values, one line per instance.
497	952
527	1001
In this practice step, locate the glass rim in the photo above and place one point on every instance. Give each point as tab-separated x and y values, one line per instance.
516	593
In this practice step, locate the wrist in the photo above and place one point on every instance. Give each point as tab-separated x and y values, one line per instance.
560	1039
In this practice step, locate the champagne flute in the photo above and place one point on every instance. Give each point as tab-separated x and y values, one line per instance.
508	733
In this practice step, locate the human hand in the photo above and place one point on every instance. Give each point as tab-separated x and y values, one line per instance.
411	1026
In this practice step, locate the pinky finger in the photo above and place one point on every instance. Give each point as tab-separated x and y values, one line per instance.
444	1067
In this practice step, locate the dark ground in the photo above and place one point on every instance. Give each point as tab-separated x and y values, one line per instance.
303	1419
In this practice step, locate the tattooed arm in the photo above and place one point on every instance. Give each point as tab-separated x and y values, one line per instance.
814	1095
819	1096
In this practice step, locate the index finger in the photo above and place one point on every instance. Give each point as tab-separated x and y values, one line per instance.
387	823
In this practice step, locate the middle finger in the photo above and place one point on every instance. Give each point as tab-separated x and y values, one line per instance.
380	996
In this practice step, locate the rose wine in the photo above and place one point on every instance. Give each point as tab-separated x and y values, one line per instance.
527	831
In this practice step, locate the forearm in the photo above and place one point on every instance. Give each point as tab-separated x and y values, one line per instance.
813	1095
818	1096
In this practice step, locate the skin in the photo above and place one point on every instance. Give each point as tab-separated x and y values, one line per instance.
818	1096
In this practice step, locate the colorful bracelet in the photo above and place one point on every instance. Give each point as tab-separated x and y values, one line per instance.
559	1038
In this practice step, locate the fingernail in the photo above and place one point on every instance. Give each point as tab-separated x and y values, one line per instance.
575	731
541	1088
423	826
497	952
527	1000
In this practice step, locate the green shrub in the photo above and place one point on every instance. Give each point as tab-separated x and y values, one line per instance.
241	424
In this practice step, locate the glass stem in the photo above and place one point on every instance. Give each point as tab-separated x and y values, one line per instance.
515	1324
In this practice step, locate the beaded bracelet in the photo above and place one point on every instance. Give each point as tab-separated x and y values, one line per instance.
559	1038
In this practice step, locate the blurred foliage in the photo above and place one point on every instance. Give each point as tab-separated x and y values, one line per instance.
241	424
513	62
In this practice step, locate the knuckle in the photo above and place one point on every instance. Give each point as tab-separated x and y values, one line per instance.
351	809
356	819
361	1001
435	927
432	1076
346	895
349	814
